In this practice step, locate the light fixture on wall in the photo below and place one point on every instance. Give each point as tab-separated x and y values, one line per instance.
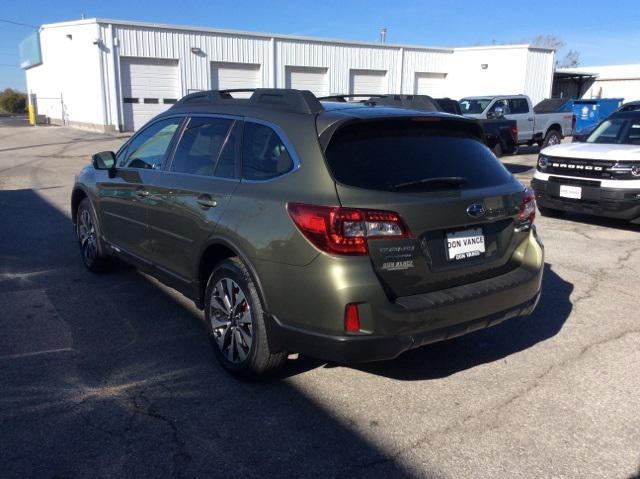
196	50
484	66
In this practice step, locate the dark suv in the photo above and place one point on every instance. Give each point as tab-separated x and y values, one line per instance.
347	232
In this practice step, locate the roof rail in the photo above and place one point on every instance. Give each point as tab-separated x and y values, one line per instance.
343	97
288	99
414	102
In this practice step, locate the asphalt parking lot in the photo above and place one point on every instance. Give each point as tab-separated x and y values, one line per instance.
113	375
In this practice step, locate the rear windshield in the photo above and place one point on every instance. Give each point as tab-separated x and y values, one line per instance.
406	155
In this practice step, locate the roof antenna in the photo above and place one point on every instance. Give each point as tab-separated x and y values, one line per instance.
383	35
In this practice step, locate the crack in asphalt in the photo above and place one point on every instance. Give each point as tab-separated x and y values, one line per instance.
537	382
596	277
140	405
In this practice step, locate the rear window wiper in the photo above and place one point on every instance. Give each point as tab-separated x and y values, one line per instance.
442	180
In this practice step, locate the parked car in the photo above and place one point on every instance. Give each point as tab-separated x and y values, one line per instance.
586	132
500	134
544	129
599	177
346	232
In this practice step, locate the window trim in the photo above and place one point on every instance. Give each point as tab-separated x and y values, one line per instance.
165	166
125	147
285	141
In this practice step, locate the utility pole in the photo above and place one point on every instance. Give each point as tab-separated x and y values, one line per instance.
383	35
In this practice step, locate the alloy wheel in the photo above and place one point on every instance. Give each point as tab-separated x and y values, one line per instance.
87	236
231	321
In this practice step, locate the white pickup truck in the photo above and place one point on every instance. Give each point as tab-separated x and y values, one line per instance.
545	129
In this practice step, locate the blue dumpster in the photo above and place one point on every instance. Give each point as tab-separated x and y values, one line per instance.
591	112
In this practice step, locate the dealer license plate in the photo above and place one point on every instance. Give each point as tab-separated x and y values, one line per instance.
573	192
465	244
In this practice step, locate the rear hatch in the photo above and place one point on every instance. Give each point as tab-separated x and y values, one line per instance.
458	201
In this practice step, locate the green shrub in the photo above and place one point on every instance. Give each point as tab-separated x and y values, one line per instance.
12	101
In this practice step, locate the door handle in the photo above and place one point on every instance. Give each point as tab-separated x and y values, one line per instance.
529	119
206	201
142	193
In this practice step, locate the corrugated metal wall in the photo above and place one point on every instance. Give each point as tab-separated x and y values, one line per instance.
537	81
421	61
339	59
516	69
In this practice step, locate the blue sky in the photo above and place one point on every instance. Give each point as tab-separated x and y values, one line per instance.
603	32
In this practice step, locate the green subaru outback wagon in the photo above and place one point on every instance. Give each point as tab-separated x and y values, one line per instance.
343	231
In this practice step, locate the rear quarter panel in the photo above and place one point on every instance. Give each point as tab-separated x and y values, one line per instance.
256	219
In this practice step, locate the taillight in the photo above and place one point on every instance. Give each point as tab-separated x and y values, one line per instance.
527	210
351	318
514	134
345	231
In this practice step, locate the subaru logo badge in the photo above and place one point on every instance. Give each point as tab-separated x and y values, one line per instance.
476	210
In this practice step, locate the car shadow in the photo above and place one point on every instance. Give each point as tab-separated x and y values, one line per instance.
113	375
445	358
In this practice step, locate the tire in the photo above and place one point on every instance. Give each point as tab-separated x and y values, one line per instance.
239	340
88	232
549	213
553	137
497	150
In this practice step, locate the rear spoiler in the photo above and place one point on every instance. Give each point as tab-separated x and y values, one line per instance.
463	125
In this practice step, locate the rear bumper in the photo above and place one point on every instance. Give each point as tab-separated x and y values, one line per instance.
357	349
413	321
620	203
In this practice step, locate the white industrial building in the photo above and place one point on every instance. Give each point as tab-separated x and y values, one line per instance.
115	75
607	81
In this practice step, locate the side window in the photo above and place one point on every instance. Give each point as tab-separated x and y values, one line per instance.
634	133
148	148
202	144
518	106
264	156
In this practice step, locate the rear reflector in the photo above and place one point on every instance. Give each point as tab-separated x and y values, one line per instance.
351	318
345	231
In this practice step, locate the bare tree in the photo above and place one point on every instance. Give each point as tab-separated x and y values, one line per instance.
548	41
570	60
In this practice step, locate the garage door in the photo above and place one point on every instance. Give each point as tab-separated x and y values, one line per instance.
368	81
313	79
149	86
235	75
432	84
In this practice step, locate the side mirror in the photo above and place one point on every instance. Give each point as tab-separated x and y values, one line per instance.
105	160
498	112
